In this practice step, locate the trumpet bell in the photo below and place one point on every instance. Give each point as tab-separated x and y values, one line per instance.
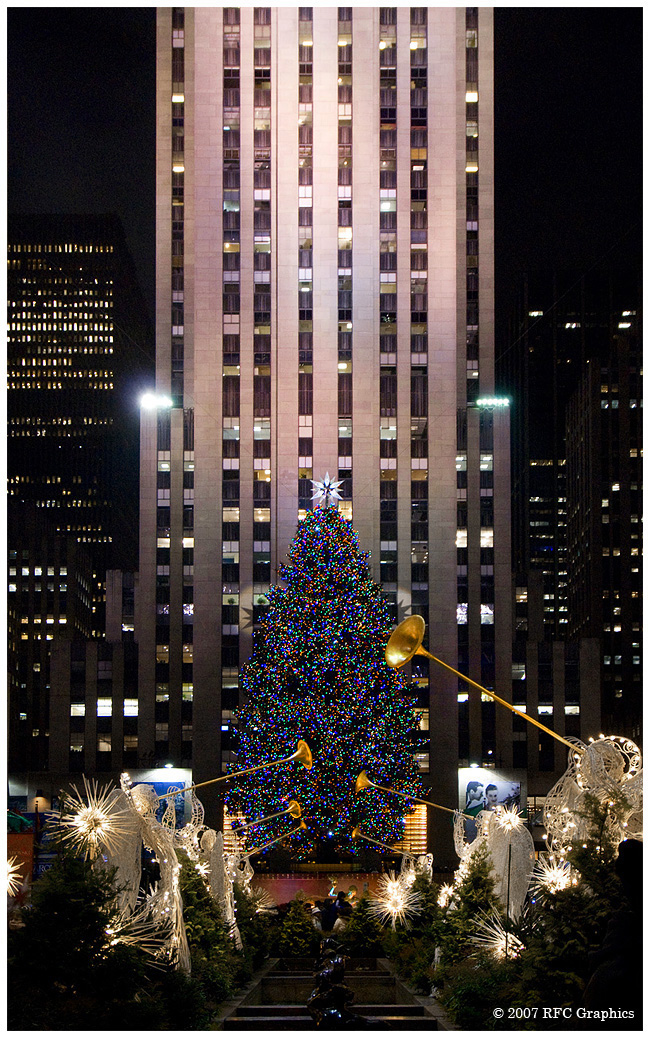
294	809
356	832
303	754
405	641
362	782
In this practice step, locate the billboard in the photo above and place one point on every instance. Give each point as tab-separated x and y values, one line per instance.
482	789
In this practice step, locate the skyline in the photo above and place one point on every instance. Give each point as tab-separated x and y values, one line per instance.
567	146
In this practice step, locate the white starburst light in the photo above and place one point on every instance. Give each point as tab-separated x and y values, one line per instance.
93	821
444	895
493	936
393	901
13	875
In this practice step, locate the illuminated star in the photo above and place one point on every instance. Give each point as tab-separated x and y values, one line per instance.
326	488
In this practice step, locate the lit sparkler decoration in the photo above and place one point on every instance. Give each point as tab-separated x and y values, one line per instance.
203	869
92	822
13	875
262	900
143	929
393	901
445	894
508	818
493	936
553	875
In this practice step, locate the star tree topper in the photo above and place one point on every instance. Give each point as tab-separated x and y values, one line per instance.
325	489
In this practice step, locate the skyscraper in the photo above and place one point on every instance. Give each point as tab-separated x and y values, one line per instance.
324	305
79	355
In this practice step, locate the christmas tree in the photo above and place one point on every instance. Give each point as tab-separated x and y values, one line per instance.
318	673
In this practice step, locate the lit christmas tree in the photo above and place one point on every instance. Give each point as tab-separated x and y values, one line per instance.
318	673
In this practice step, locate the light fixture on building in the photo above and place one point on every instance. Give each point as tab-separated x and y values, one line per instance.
155	400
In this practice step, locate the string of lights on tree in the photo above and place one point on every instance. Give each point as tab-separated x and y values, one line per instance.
318	673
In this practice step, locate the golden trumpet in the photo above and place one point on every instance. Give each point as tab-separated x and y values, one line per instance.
406	642
302	754
301	826
363	782
358	835
293	808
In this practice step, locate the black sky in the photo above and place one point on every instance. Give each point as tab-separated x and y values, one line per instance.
568	129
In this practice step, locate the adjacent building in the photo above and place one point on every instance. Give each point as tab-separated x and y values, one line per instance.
573	368
80	353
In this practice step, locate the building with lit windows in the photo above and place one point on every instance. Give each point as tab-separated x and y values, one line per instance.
573	368
80	353
604	476
324	304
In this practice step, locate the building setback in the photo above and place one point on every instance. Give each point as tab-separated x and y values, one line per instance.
324	304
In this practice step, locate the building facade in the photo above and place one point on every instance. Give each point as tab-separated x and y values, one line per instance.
324	304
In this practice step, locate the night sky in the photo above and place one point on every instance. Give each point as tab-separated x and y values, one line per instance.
568	130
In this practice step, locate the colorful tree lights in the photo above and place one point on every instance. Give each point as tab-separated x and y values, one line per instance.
318	673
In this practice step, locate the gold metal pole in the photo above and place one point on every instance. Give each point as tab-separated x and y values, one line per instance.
358	835
363	783
302	754
254	851
405	643
293	808
504	703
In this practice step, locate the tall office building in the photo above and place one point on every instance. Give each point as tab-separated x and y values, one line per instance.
560	320
604	462
573	367
324	304
79	356
80	352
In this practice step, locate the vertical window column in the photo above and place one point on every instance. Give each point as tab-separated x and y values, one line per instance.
178	179
305	260
231	361
262	310
472	206
418	318
344	259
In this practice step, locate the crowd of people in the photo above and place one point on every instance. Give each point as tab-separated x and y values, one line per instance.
332	914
